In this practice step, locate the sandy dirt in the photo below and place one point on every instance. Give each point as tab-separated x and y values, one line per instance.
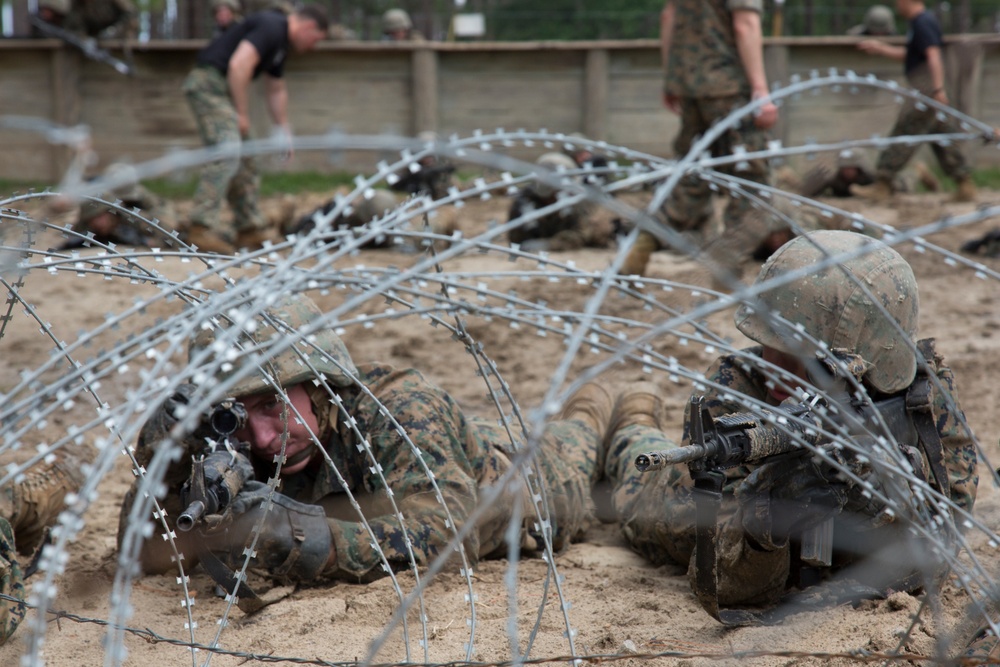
619	604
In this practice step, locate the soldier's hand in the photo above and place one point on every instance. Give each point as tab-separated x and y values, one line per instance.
781	498
294	544
672	102
767	114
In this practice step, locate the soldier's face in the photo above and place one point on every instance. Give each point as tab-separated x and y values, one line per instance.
307	34
266	417
223	16
789	363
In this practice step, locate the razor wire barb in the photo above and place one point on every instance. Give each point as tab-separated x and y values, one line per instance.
430	290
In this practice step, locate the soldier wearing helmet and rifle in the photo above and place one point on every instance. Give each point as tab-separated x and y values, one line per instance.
812	454
378	466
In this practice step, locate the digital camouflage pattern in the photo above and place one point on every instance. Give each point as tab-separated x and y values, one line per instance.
703	59
568	228
362	211
92	17
706	73
27	509
326	352
11	584
843	306
465	455
234	179
916	120
657	510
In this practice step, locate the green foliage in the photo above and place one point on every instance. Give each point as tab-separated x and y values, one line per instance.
574	19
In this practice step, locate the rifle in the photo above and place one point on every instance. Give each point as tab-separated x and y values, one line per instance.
87	45
216	478
718	443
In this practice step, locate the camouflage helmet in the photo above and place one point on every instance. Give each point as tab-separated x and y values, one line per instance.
852	158
128	191
321	349
554	162
879	20
376	206
832	305
234	5
396	19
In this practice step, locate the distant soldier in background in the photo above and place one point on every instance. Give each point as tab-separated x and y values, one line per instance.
430	176
217	90
712	53
853	169
90	17
360	214
397	26
879	21
924	68
110	225
585	158
225	13
567	228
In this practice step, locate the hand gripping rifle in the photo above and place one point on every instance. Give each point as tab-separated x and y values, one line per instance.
87	45
752	437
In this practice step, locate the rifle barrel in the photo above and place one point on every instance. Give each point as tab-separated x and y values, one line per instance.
650	461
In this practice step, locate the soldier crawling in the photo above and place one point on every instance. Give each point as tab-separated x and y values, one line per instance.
766	508
348	432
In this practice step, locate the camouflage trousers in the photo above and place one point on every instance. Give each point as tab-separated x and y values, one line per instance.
567	463
915	121
12	607
234	178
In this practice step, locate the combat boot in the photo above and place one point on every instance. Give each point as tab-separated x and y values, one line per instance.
254	239
207	240
638	257
591	404
880	191
965	191
640	404
33	504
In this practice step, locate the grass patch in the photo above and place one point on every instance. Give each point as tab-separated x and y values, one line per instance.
183	188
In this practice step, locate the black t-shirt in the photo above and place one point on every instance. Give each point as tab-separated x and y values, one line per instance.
924	32
267	31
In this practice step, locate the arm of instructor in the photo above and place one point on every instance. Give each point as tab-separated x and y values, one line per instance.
240	74
672	102
750	45
277	105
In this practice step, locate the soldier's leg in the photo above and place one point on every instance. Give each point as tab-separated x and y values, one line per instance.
746	226
911	121
11	584
655	509
569	460
244	188
689	206
208	97
953	162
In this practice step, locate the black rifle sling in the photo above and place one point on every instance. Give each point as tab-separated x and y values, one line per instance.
247	600
708	499
919	405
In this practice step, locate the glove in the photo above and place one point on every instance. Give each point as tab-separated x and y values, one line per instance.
784	497
295	541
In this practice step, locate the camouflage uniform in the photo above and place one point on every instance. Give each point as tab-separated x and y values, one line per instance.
568	228
27	509
706	73
236	178
92	17
465	456
362	213
657	510
126	230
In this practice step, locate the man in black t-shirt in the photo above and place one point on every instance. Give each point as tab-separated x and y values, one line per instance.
218	92
924	69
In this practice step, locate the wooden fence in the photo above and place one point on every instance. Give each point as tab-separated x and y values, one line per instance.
606	90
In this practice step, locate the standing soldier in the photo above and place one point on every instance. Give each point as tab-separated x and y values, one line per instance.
90	17
714	62
924	69
218	91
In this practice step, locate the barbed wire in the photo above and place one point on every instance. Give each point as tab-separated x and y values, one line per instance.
445	297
